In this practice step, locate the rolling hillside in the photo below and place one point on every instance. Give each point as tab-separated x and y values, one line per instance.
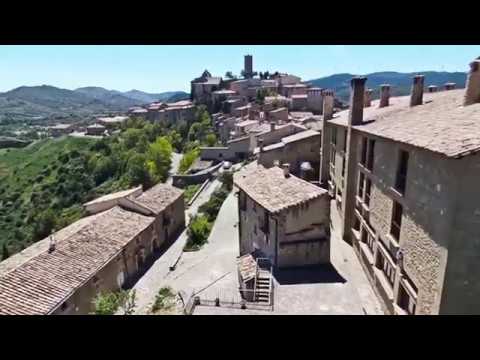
400	82
47	102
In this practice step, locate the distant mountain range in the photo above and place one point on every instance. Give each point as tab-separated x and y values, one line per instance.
40	102
400	82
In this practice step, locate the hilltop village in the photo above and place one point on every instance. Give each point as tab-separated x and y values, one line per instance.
301	206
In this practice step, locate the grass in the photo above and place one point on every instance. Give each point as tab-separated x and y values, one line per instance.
164	300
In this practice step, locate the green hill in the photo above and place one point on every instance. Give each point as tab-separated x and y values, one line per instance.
400	82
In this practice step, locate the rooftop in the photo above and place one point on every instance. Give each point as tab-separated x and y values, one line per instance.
114	119
300	136
278	110
247	123
273	191
158	197
45	281
299	96
113	196
442	124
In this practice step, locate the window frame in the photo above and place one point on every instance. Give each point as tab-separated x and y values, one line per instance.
395	228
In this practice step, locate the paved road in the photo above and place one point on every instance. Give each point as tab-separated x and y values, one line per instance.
148	285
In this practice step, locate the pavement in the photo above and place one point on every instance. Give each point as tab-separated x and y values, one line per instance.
338	289
155	277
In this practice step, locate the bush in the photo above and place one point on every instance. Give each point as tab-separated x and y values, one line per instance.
163	300
198	231
188	159
213	205
108	303
190	190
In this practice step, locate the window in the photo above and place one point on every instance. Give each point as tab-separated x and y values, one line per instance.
343	165
334	136
386	265
407	295
332	157
356	224
345	140
371	153
401	178
368	189
396	220
361	183
266	223
363	159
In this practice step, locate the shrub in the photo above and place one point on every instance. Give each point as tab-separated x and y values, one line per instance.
163	300
198	231
190	190
188	159
108	303
213	205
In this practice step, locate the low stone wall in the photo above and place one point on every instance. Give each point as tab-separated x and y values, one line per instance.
182	181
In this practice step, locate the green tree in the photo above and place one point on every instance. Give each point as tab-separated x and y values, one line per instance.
105	168
5	252
211	139
159	159
44	224
175	138
131	137
229	75
198	231
137	171
188	159
108	303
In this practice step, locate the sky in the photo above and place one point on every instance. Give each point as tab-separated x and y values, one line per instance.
170	68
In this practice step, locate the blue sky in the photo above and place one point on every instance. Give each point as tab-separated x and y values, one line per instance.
163	68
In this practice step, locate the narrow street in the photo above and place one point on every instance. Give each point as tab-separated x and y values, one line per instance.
148	285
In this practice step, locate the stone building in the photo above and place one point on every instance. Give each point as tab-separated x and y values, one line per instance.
203	87
295	149
403	174
96	130
60	129
103	252
282	217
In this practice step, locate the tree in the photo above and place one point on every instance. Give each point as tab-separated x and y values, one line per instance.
211	139
198	231
137	172
5	252
187	160
229	75
159	157
108	303
105	168
44	224
227	180
176	140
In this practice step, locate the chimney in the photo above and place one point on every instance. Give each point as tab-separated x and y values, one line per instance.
368	97
260	144
286	170
449	86
328	102
51	246
472	91
276	163
357	100
432	88
416	97
272	126
384	95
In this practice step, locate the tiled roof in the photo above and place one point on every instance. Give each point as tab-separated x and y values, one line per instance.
442	124
46	280
273	191
158	197
117	195
300	136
